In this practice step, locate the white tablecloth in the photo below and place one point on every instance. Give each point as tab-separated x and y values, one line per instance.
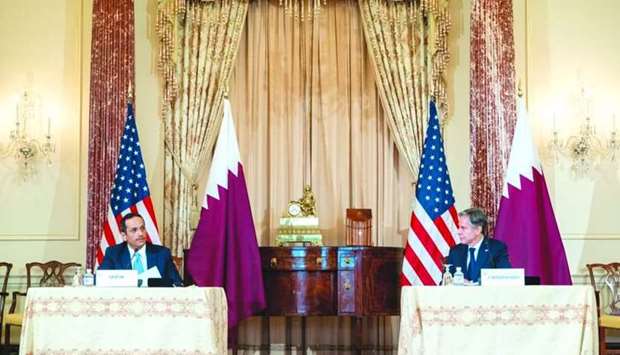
529	320
115	321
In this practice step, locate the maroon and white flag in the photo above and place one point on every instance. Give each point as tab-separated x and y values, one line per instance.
526	222
224	250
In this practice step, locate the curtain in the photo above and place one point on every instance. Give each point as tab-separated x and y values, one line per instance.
408	46
307	111
111	74
492	102
199	41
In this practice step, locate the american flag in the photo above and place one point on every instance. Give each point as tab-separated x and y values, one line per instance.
434	221
130	192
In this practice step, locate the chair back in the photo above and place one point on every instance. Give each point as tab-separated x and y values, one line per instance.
5	270
53	273
605	279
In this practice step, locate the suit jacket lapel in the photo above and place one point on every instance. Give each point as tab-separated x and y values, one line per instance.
125	261
149	257
483	255
463	258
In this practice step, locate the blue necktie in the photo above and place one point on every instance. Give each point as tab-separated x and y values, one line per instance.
472	274
137	265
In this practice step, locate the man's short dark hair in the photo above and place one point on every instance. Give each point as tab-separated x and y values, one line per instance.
477	217
129	215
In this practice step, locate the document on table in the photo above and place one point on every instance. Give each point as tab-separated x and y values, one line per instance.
152	273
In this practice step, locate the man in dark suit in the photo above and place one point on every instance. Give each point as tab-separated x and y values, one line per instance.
476	251
135	253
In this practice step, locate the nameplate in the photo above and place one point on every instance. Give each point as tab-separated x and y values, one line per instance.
502	277
117	278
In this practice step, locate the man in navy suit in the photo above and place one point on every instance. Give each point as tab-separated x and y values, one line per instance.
476	251
135	253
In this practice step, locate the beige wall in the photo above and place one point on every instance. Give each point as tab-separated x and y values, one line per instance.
44	218
559	49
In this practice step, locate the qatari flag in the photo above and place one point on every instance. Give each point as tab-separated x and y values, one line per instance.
224	251
526	222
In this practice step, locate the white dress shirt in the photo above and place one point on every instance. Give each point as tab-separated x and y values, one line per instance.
475	246
141	252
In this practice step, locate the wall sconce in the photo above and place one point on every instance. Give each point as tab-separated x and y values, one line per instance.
585	149
27	144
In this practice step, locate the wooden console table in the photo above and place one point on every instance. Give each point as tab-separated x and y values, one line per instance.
329	281
332	281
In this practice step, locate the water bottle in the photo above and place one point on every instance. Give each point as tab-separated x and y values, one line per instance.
77	278
459	277
89	278
446	279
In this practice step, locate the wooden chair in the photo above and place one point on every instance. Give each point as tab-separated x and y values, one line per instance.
53	275
607	298
5	270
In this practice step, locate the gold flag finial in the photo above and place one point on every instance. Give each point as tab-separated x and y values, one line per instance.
519	90
130	92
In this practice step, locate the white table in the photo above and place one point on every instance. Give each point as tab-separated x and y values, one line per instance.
115	321
498	320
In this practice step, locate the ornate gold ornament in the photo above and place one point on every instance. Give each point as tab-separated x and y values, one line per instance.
300	225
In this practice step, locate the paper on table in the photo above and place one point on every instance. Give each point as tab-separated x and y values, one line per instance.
152	273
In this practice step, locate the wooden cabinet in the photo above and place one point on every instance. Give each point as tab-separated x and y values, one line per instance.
299	281
332	281
353	281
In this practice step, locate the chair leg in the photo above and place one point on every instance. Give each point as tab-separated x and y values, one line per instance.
7	347
7	338
602	342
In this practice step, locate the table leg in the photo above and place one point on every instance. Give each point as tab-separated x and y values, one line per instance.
288	335
303	336
265	342
356	335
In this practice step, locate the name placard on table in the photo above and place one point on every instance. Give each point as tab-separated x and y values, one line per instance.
117	278
502	277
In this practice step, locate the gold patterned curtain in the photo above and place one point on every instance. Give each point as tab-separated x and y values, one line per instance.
407	41
307	111
199	41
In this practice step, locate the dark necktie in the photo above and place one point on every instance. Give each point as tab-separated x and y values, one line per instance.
472	274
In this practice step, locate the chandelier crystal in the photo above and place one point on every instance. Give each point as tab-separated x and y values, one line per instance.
585	149
27	143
